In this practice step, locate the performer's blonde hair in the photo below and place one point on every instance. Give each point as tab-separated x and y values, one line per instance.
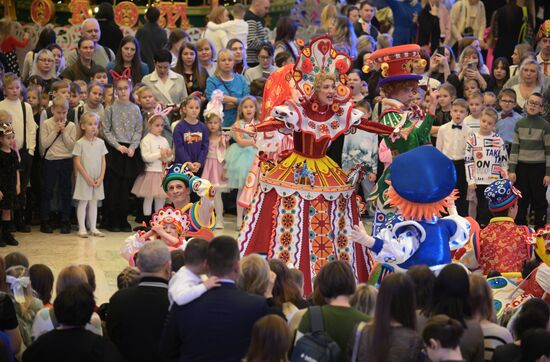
320	78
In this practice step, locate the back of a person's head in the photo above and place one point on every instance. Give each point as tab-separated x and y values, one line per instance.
271	331
74	306
222	256
178	259
481	298
364	299
152	15
70	276
90	275
195	252
127	278
16	259
253	274
424	280
152	257
452	293
535	344
395	302
297	277
284	290
162	56
444	329
336	279
534	314
42	281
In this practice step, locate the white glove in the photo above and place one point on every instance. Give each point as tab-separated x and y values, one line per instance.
360	236
203	187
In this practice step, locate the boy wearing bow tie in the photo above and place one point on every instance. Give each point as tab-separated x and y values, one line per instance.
451	141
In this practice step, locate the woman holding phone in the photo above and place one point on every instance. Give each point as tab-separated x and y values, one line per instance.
471	66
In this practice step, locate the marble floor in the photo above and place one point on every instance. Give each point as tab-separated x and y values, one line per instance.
59	250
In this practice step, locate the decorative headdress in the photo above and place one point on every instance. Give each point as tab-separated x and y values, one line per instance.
168	215
158	111
544	30
320	57
126	74
215	105
178	171
395	63
501	195
422	183
6	129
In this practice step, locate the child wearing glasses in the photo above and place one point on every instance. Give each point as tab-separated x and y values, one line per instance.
529	163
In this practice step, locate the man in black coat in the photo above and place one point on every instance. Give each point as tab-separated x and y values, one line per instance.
217	325
151	36
135	317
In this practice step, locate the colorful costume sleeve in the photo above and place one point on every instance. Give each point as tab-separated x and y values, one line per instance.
131	246
201	213
461	228
375	127
394	118
396	243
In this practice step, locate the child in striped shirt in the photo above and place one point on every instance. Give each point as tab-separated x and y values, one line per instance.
530	161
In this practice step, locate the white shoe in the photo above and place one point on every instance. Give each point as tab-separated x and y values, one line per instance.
97	233
82	234
220	225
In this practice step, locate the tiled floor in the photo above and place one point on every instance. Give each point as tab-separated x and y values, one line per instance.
57	251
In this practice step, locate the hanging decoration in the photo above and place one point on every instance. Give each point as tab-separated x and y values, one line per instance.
171	12
80	10
42	11
126	14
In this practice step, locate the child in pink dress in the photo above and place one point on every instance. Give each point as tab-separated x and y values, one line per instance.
218	141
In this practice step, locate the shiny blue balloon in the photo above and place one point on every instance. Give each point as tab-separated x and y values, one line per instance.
423	175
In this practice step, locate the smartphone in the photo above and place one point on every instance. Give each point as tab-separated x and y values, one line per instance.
472	65
441	50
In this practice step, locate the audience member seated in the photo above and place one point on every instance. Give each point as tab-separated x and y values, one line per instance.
42	283
534	313
364	299
392	336
286	295
336	285
442	337
271	331
229	312
46	319
451	296
71	341
136	315
481	299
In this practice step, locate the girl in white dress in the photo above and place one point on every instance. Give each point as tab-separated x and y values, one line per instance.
155	152
89	161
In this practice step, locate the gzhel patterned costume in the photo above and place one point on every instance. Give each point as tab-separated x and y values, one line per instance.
395	64
305	206
421	189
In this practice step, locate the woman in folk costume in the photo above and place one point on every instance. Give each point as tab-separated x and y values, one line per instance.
305	207
399	85
421	188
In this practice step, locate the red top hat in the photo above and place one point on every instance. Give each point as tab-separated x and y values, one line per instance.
396	62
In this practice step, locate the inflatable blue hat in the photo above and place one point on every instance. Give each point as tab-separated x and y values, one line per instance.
178	171
423	175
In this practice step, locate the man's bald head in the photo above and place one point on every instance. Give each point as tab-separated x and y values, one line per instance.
90	28
260	7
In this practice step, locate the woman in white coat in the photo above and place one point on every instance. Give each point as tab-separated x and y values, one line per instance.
168	86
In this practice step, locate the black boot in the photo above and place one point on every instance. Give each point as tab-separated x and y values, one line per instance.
7	237
20	224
